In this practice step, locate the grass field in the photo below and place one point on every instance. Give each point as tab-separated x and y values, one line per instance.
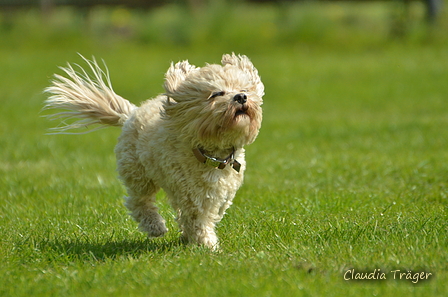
350	170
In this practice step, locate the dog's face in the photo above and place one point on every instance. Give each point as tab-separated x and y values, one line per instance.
215	106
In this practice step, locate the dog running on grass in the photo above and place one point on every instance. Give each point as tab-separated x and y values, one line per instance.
188	141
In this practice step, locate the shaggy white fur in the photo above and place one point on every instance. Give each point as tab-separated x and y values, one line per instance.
215	110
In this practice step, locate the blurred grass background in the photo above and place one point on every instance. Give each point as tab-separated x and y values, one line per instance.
350	168
239	24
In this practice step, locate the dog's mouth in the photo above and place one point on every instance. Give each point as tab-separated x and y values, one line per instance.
241	110
240	113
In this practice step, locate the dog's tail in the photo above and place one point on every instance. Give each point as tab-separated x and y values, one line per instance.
89	99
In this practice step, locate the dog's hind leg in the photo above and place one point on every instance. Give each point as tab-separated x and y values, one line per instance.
145	212
141	189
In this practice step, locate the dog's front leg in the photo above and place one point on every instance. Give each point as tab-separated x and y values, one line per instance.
198	226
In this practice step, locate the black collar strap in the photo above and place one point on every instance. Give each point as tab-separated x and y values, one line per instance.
217	162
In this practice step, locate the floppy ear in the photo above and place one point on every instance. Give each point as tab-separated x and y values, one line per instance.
176	74
243	62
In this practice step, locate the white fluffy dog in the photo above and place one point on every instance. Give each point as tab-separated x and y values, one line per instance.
188	141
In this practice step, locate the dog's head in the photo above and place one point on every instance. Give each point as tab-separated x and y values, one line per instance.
216	105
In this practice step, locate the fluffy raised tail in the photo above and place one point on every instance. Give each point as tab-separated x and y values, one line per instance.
89	99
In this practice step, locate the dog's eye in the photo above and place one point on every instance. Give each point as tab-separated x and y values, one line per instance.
217	94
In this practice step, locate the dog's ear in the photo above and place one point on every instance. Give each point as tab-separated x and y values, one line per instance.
176	74
243	62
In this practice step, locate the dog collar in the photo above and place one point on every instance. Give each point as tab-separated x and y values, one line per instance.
217	162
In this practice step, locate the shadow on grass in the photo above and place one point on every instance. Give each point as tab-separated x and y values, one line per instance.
100	251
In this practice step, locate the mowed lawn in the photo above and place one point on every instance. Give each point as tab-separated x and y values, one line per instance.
349	174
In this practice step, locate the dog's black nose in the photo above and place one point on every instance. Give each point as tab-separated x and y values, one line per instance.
240	98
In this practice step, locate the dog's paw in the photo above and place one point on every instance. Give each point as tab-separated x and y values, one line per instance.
153	228
210	241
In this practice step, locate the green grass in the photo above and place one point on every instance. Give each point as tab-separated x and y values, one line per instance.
350	169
